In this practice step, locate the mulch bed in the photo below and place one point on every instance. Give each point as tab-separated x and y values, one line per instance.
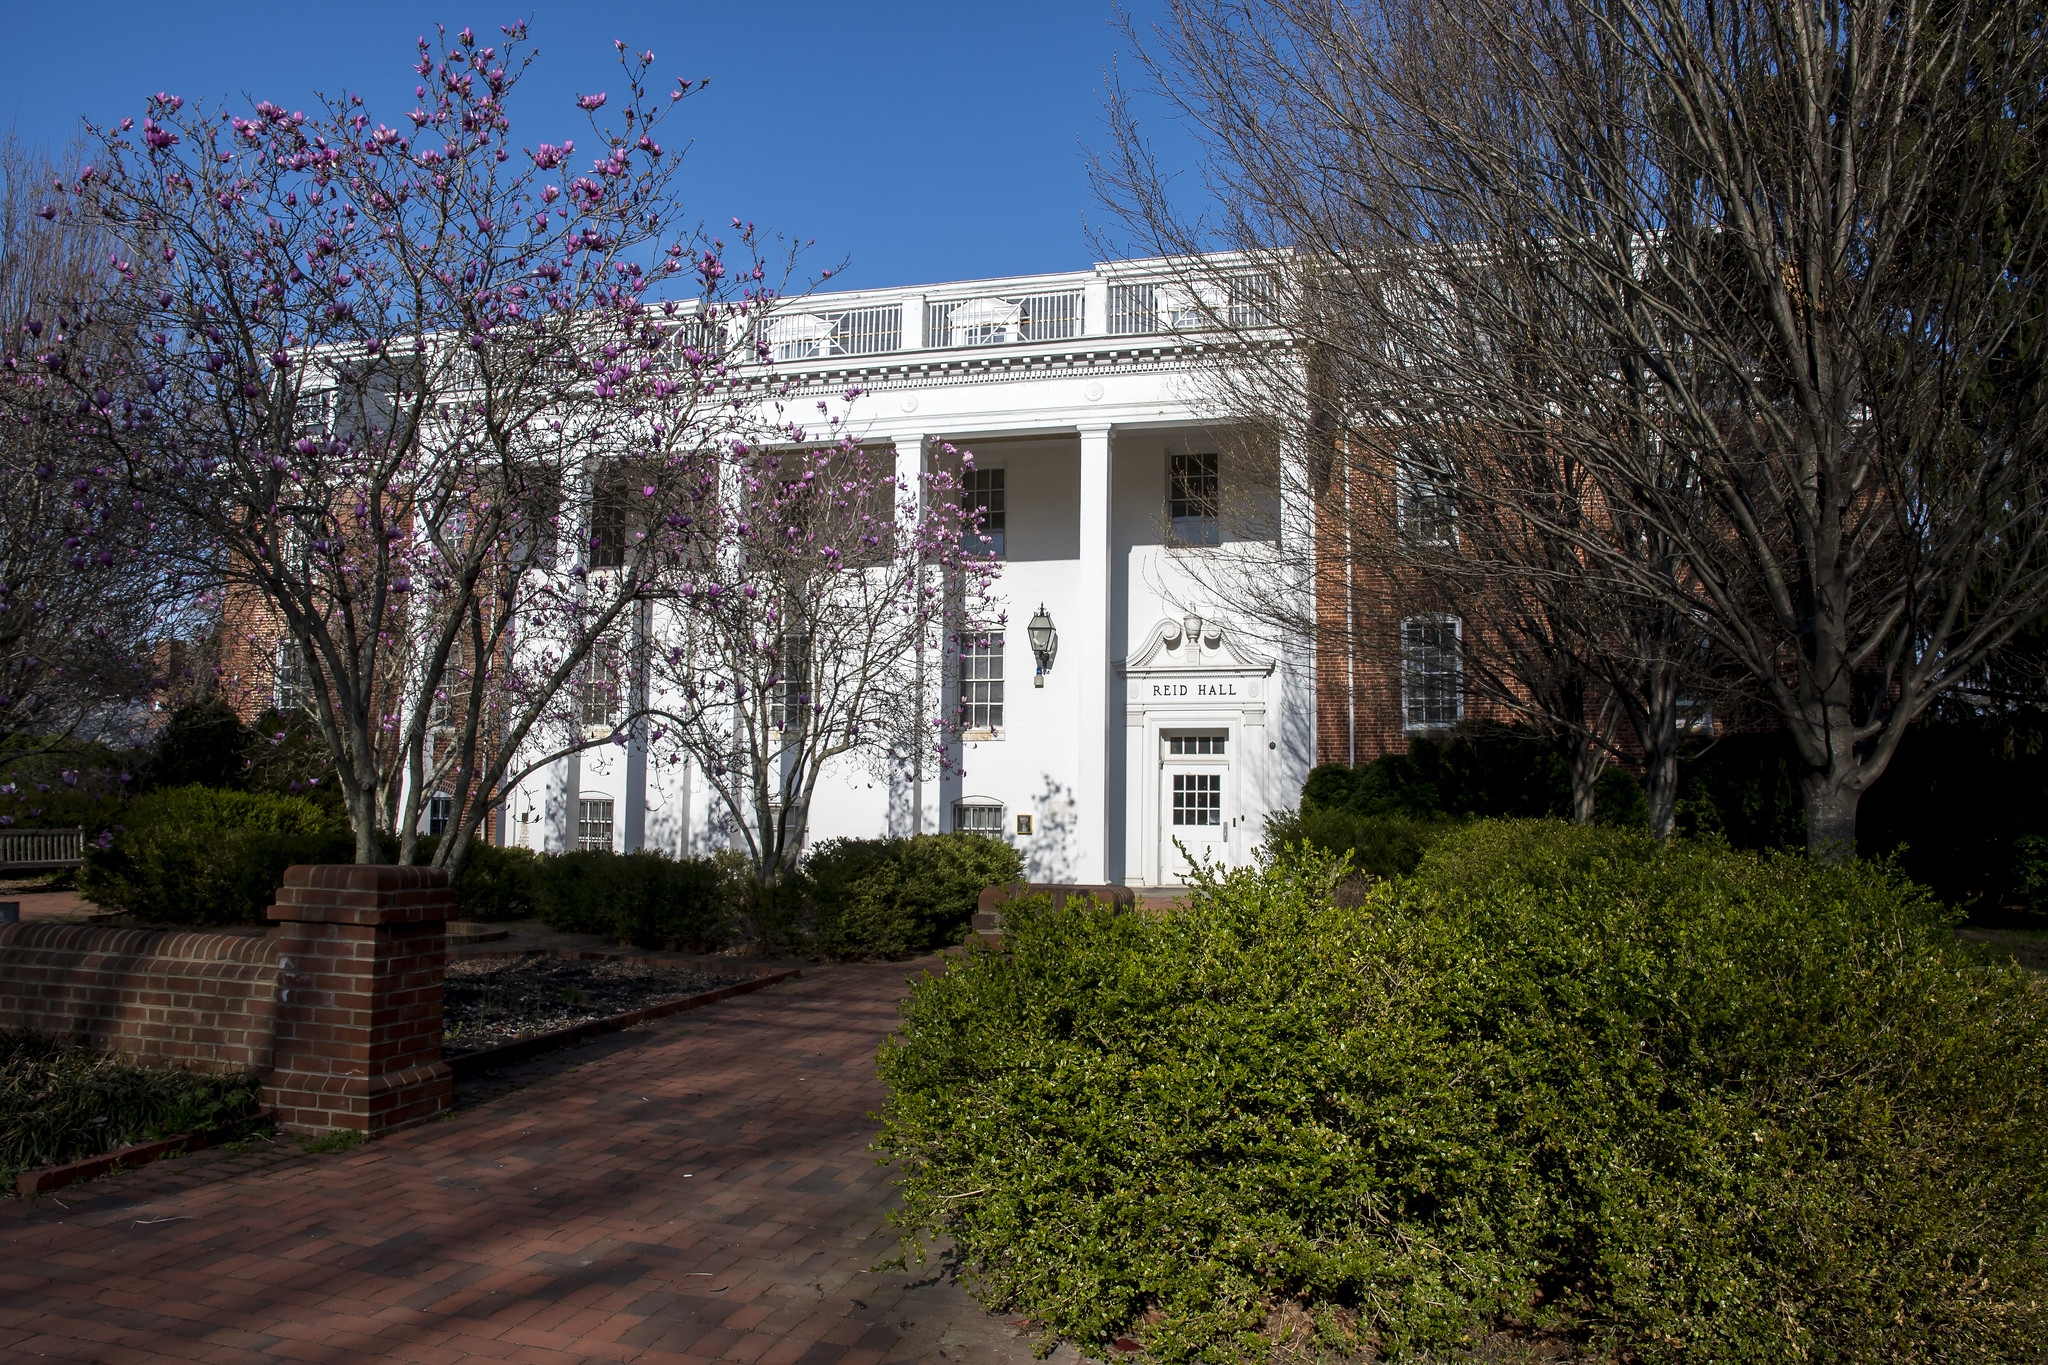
487	1003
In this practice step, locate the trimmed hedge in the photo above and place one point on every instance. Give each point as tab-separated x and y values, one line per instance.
1679	1104
867	898
497	883
200	855
644	898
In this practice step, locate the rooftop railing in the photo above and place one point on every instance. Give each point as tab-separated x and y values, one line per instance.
1004	320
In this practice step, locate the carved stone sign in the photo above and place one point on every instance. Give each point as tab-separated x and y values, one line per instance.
1199	690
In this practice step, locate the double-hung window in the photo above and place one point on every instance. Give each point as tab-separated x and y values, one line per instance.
440	810
597	699
293	676
594	825
981	683
1194	499
1429	513
610	502
791	699
1432	672
982	493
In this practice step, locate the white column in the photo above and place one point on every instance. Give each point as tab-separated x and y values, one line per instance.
636	736
564	783
1091	656
924	785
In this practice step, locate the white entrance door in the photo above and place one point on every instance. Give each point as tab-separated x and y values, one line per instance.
1194	776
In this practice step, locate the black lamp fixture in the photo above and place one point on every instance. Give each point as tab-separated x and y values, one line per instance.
1045	642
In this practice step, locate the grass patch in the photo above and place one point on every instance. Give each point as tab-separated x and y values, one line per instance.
60	1103
340	1140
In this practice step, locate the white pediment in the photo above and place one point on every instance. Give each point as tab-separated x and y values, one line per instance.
1167	649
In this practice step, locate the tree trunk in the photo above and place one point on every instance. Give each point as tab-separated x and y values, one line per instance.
362	813
1660	788
1660	759
1831	801
1655	717
1588	761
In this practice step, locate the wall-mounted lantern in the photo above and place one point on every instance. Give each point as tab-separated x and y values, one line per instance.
1045	642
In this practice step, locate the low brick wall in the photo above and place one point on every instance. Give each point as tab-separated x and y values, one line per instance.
338	1008
202	1000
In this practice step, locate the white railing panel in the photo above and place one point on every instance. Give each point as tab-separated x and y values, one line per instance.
1003	319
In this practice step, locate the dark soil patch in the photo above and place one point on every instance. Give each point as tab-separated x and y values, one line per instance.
492	1001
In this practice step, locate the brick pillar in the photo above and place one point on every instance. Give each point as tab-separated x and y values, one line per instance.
360	951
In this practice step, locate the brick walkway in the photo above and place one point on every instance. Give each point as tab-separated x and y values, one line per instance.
698	1190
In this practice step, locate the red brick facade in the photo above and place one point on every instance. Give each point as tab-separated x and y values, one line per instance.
338	1008
1361	603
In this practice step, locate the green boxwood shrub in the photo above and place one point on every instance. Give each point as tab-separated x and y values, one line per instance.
1678	1104
643	898
199	855
1379	845
867	898
497	883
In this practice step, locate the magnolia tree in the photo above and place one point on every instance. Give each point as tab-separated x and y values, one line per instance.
411	391
817	624
82	612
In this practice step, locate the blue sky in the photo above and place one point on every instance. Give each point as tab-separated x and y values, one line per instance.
922	141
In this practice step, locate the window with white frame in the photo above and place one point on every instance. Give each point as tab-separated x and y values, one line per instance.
597	692
791	689
314	414
454	686
610	510
440	811
1198	798
1181	307
799	336
978	817
981	682
982	491
1429	513
594	825
293	676
1196	746
986	322
1194	499
1432	672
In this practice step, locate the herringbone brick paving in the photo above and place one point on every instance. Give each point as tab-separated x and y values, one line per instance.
698	1190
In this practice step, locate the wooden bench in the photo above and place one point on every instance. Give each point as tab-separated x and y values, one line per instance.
41	850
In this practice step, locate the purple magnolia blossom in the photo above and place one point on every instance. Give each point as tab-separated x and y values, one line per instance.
445	584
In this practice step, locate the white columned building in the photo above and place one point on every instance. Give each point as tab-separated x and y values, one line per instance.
1162	718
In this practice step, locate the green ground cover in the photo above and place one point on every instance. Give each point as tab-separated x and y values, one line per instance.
61	1103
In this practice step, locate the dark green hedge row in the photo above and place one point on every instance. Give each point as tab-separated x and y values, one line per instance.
1963	805
889	897
203	855
1677	1104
